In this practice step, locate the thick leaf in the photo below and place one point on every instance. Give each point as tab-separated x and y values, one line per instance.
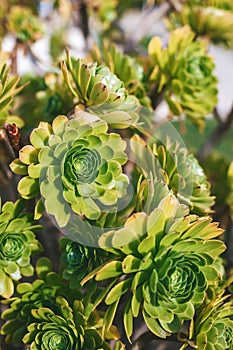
18	167
109	315
131	264
39	137
112	269
28	154
118	290
154	326
128	320
39	209
28	187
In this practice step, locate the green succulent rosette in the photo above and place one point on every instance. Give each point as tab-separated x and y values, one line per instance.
211	18
178	169
183	74
106	12
164	261
125	68
17	244
67	328
213	328
25	25
76	165
41	293
78	260
101	92
92	84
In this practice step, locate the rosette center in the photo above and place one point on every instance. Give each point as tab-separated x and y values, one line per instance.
12	246
55	340
81	165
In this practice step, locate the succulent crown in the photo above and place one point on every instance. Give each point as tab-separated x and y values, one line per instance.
184	73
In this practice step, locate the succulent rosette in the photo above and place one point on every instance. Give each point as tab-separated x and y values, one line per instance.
26	26
51	294
183	72
106	12
92	84
67	328
101	92
17	244
213	328
76	165
180	170
164	261
41	293
212	19
78	260
125	68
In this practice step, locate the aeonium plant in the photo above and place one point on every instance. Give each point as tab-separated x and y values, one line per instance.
76	163
17	244
183	72
177	168
164	262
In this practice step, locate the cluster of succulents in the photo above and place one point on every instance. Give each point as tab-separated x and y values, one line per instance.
132	203
183	73
210	18
48	314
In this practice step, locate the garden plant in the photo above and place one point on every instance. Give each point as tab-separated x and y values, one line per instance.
116	168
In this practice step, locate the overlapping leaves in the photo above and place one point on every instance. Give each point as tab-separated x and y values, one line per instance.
41	293
25	25
213	328
101	92
183	73
164	261
9	87
75	164
78	260
178	169
125	67
211	18
17	244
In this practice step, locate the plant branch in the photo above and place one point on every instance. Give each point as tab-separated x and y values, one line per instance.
216	136
6	149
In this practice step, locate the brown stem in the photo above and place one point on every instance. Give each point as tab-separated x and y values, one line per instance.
13	57
220	131
6	149
156	98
